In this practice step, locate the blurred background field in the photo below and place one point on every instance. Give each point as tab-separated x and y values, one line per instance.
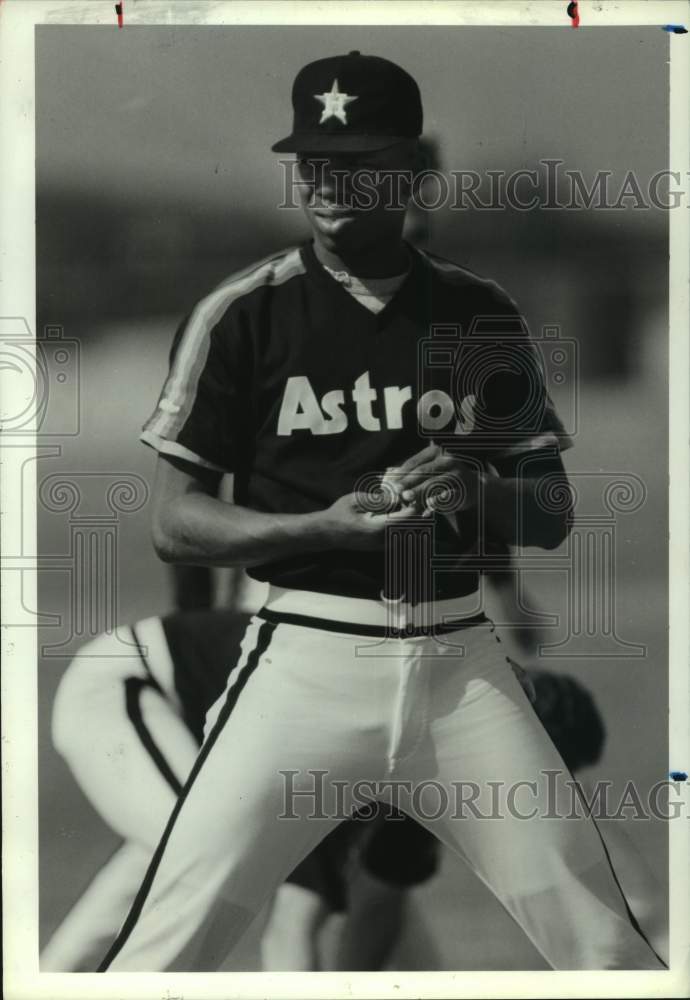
155	181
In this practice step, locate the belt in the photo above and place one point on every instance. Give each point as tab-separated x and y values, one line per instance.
358	616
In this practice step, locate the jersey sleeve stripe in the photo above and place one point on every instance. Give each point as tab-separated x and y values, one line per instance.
181	385
167	447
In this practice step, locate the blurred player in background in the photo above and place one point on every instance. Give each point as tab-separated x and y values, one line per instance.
129	728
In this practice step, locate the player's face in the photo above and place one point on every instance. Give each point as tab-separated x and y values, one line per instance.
355	201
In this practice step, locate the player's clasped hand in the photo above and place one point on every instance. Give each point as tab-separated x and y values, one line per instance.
432	480
349	524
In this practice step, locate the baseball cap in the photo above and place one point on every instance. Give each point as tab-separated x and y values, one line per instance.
352	104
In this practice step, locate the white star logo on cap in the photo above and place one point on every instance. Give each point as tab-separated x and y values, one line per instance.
334	104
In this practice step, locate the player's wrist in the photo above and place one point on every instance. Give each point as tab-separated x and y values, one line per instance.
320	530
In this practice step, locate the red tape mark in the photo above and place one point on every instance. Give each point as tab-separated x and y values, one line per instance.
120	11
574	14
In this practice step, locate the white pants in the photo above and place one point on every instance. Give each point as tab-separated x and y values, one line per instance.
447	709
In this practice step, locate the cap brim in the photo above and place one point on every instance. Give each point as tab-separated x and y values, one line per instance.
330	142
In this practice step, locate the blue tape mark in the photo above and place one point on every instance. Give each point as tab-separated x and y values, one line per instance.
678	776
676	29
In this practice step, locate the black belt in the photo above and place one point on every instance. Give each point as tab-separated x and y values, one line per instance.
378	631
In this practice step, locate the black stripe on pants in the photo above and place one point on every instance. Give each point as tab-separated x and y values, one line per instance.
263	639
631	916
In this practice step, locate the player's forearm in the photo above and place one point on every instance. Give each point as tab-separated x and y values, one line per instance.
201	530
515	513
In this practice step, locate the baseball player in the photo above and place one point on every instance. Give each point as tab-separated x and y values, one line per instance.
305	376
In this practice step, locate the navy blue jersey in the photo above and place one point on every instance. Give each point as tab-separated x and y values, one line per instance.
282	378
